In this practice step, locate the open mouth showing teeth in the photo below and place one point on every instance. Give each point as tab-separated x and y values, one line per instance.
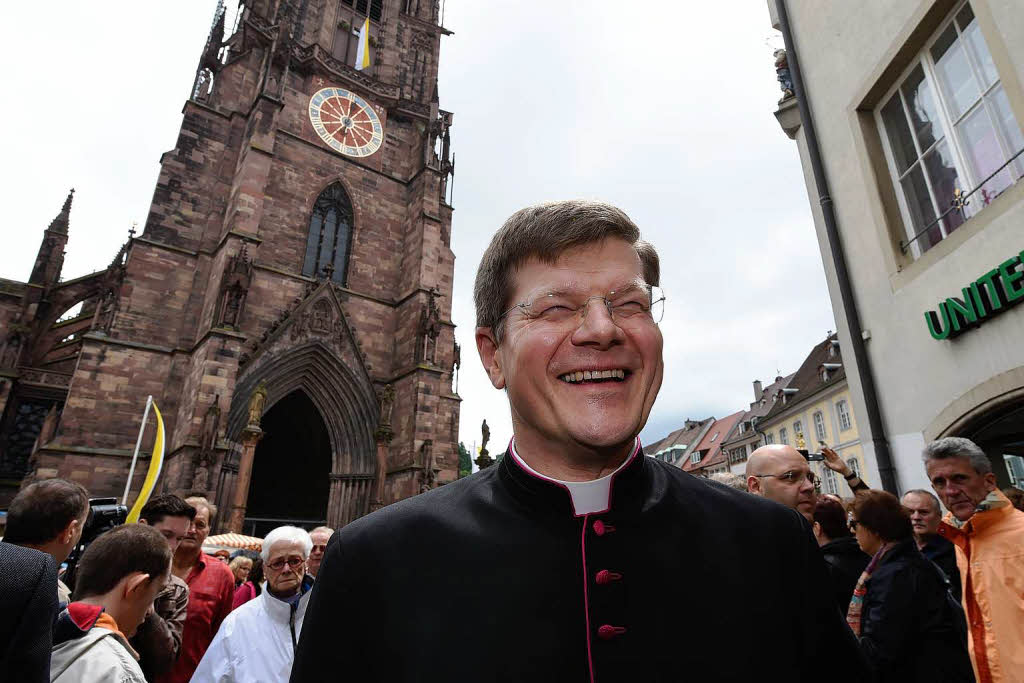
581	376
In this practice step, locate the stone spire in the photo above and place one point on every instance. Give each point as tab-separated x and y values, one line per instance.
60	223
50	258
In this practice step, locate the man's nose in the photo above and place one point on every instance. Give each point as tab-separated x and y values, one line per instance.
597	327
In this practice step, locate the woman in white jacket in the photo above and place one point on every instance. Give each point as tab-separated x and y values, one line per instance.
256	642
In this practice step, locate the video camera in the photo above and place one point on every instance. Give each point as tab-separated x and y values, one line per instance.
104	515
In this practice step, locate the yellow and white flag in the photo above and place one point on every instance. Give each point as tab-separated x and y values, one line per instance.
156	463
363	51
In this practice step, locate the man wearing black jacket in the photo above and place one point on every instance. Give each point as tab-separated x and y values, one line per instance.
925	516
28	603
576	558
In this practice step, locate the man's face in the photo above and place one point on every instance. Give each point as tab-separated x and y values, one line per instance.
73	534
960	487
139	602
285	567
924	514
173	529
788	482
316	555
198	530
535	355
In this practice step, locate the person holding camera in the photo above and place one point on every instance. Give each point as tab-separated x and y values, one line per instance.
119	576
49	516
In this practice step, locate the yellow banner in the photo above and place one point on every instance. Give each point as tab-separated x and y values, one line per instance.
156	463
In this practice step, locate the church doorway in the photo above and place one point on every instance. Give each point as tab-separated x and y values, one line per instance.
291	468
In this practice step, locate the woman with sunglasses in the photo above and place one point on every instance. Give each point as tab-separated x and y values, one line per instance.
909	627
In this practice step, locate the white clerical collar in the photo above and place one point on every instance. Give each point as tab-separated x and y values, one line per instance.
587	496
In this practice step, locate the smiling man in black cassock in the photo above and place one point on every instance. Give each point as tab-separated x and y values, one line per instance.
576	558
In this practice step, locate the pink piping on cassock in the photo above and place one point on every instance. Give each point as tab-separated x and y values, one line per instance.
586	598
583	536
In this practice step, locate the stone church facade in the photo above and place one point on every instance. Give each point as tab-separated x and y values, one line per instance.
288	302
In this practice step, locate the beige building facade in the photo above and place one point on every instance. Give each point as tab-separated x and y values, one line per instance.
917	106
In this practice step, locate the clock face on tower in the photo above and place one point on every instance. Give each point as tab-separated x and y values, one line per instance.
346	122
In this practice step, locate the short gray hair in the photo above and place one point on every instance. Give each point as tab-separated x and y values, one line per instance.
729	479
957	447
544	232
289	534
328	529
196	501
923	492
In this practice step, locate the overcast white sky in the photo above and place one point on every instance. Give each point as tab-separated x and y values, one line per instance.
667	114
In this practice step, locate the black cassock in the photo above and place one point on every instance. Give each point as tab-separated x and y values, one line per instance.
494	578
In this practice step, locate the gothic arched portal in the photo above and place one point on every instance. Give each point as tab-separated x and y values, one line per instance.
291	471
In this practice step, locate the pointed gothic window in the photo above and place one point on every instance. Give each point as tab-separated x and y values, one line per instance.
330	235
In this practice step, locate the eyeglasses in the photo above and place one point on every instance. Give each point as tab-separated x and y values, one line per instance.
853	525
642	303
292	562
793	476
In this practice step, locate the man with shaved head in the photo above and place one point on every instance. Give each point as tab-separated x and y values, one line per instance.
780	473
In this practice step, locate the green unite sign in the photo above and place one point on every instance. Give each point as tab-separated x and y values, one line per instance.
992	293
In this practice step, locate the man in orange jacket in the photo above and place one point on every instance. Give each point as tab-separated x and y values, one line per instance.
989	537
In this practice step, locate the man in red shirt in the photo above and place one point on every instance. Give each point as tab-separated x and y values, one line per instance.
211	587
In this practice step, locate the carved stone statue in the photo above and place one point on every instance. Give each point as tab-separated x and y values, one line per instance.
234	288
387	400
233	306
257	404
207	445
105	314
783	75
429	466
430	328
486	434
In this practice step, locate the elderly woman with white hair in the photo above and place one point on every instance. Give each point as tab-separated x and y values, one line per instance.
257	641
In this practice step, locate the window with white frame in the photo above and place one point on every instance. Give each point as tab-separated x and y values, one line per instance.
695	458
843	410
854	464
783	435
819	425
769	437
831	485
798	429
948	128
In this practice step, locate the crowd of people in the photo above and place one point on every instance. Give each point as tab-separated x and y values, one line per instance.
148	604
573	558
921	609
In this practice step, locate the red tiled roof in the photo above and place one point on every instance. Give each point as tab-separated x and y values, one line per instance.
711	444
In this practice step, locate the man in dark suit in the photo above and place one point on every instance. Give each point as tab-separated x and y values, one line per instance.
49	515
28	603
576	558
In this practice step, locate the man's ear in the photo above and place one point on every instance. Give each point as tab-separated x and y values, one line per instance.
134	583
487	347
753	485
69	531
990	482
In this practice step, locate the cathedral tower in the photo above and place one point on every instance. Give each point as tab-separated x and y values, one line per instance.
288	302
